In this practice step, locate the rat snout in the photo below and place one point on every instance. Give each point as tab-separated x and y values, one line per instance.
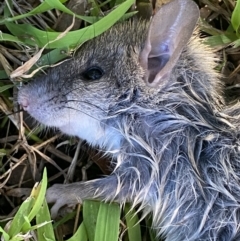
24	102
29	100
43	104
24	99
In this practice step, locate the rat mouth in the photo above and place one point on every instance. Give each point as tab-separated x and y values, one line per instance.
51	117
45	116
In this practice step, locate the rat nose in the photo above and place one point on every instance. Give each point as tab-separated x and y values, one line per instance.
24	102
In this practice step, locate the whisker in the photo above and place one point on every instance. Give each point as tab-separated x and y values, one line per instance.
88	103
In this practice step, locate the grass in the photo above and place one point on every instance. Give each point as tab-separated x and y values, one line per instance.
27	36
100	220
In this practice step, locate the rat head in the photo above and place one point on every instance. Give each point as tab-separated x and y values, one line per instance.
131	57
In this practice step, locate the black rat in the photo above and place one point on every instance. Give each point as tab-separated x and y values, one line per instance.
148	95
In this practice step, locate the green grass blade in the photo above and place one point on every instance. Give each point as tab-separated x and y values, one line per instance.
220	40
27	225
9	38
7	9
5	87
38	195
152	233
3	152
3	74
236	43
72	38
90	213
54	56
58	5
95	10
4	234
107	227
133	225
20	217
153	236
235	19
80	235
43	7
64	219
44	232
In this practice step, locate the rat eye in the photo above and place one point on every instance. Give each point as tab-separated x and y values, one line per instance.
93	73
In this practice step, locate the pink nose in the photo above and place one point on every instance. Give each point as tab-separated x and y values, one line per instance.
24	103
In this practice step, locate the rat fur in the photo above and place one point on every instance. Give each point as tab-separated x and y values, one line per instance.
174	147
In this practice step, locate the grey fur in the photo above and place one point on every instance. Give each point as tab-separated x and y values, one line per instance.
175	149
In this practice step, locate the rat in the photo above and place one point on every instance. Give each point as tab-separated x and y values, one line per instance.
147	93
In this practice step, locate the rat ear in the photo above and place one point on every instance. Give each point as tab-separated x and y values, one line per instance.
169	31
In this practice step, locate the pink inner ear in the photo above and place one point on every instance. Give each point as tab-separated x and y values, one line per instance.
169	31
155	64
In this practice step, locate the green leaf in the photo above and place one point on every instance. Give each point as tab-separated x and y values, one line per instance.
220	40
38	195
3	74
27	225
235	19
80	235
7	9
19	218
128	15
46	60
107	227
9	38
58	5
90	212
44	232
64	219
5	234
133	226
72	39
151	231
3	152
43	7
5	87
52	57
208	28
236	43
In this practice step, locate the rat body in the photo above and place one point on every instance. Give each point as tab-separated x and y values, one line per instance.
176	152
